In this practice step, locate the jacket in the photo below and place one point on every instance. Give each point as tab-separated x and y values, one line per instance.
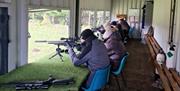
94	54
116	48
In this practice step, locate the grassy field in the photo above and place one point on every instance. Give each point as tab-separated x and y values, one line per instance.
40	31
41	69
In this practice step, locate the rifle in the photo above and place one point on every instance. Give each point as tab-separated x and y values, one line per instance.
39	84
73	42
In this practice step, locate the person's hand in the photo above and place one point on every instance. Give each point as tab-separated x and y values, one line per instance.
68	45
66	51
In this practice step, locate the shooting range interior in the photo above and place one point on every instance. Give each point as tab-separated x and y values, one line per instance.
31	46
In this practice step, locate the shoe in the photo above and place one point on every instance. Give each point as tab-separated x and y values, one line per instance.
157	84
125	42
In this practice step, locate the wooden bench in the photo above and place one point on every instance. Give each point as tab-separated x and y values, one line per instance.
169	77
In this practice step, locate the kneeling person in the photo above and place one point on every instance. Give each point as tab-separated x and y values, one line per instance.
93	54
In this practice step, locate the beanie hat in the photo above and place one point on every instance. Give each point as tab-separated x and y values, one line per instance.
114	23
86	34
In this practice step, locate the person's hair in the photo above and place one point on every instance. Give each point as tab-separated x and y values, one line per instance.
86	34
121	19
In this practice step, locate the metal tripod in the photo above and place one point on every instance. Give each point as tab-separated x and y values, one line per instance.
58	52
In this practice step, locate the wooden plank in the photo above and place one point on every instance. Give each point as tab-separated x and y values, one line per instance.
170	78
175	75
153	45
164	79
150	51
150	48
156	43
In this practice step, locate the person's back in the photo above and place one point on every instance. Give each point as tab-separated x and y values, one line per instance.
116	49
125	28
124	25
120	31
100	57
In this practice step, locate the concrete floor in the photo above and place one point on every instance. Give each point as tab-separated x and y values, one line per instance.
138	70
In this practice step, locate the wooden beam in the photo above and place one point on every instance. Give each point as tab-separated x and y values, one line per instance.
164	79
156	43
150	48
153	45
77	17
170	78
175	75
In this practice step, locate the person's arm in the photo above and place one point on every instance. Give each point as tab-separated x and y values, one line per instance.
75	59
112	45
82	58
109	45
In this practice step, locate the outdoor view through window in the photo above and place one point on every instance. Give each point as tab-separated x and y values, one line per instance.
46	24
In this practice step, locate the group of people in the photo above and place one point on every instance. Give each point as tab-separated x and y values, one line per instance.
98	54
123	28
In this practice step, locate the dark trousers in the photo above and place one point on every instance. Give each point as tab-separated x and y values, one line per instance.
87	82
126	34
90	78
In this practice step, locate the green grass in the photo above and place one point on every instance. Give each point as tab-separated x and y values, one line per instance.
41	69
39	31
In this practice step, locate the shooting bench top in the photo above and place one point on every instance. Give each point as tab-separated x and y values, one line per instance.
169	77
40	71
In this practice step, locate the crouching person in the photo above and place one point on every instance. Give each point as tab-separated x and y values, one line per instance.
93	54
114	44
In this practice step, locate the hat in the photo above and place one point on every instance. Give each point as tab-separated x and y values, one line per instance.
86	34
114	23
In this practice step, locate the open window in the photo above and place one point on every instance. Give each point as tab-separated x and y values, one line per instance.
47	25
91	19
